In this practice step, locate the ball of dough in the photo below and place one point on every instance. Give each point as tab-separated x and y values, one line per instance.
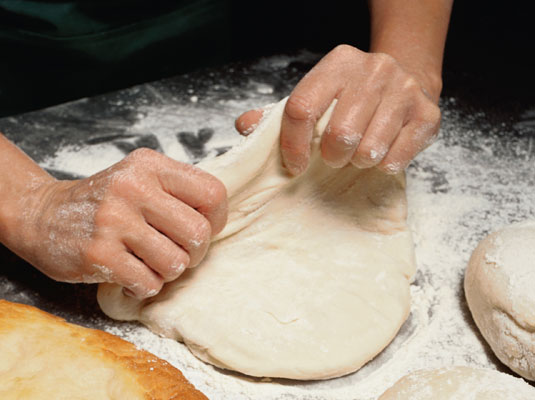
500	290
459	383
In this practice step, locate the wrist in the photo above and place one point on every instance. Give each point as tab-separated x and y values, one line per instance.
428	75
19	212
431	82
415	35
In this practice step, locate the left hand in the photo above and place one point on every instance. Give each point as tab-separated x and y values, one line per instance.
384	117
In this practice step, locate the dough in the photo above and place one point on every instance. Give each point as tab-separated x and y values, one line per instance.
500	290
459	383
310	277
43	358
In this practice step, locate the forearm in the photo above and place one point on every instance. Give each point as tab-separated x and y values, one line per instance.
414	33
19	177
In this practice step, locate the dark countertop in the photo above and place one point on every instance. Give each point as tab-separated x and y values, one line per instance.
476	178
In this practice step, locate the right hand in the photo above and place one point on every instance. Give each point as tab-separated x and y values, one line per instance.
139	223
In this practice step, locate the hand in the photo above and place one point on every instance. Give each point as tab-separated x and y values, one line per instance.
139	223
385	115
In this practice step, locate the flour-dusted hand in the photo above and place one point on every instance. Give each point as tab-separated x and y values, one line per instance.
387	109
384	115
139	223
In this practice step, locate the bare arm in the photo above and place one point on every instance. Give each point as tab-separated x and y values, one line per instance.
20	177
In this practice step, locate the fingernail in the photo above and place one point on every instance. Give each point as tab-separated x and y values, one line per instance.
127	292
335	164
152	292
378	154
360	164
297	164
346	143
394	168
250	129
181	268
178	270
296	169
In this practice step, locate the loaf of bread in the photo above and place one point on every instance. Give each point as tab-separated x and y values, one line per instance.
44	357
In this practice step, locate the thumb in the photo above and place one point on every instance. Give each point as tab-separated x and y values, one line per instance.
247	122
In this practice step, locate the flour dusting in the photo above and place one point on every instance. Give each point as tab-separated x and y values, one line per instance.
514	254
467	184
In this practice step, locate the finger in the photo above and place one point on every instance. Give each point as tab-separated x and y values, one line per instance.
413	138
385	126
349	120
158	252
308	101
198	189
180	223
138	280
247	122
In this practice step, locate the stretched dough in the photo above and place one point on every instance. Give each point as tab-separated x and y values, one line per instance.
310	277
499	286
456	383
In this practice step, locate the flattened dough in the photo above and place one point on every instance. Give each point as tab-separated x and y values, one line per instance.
310	277
459	383
500	290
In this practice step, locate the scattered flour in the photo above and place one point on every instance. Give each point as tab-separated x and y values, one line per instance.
464	186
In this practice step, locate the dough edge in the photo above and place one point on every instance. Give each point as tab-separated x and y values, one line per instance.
510	334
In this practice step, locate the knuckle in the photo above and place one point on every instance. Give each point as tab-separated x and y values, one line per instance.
217	193
384	62
411	84
106	215
124	183
139	160
391	166
344	50
427	110
299	108
434	114
141	154
379	67
95	253
130	181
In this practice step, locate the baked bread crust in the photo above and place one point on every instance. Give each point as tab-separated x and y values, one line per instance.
155	378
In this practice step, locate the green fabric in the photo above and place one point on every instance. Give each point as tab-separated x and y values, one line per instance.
53	51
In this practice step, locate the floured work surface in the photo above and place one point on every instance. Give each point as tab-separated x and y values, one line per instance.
475	179
308	280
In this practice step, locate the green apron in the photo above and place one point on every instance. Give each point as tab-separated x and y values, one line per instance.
54	51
